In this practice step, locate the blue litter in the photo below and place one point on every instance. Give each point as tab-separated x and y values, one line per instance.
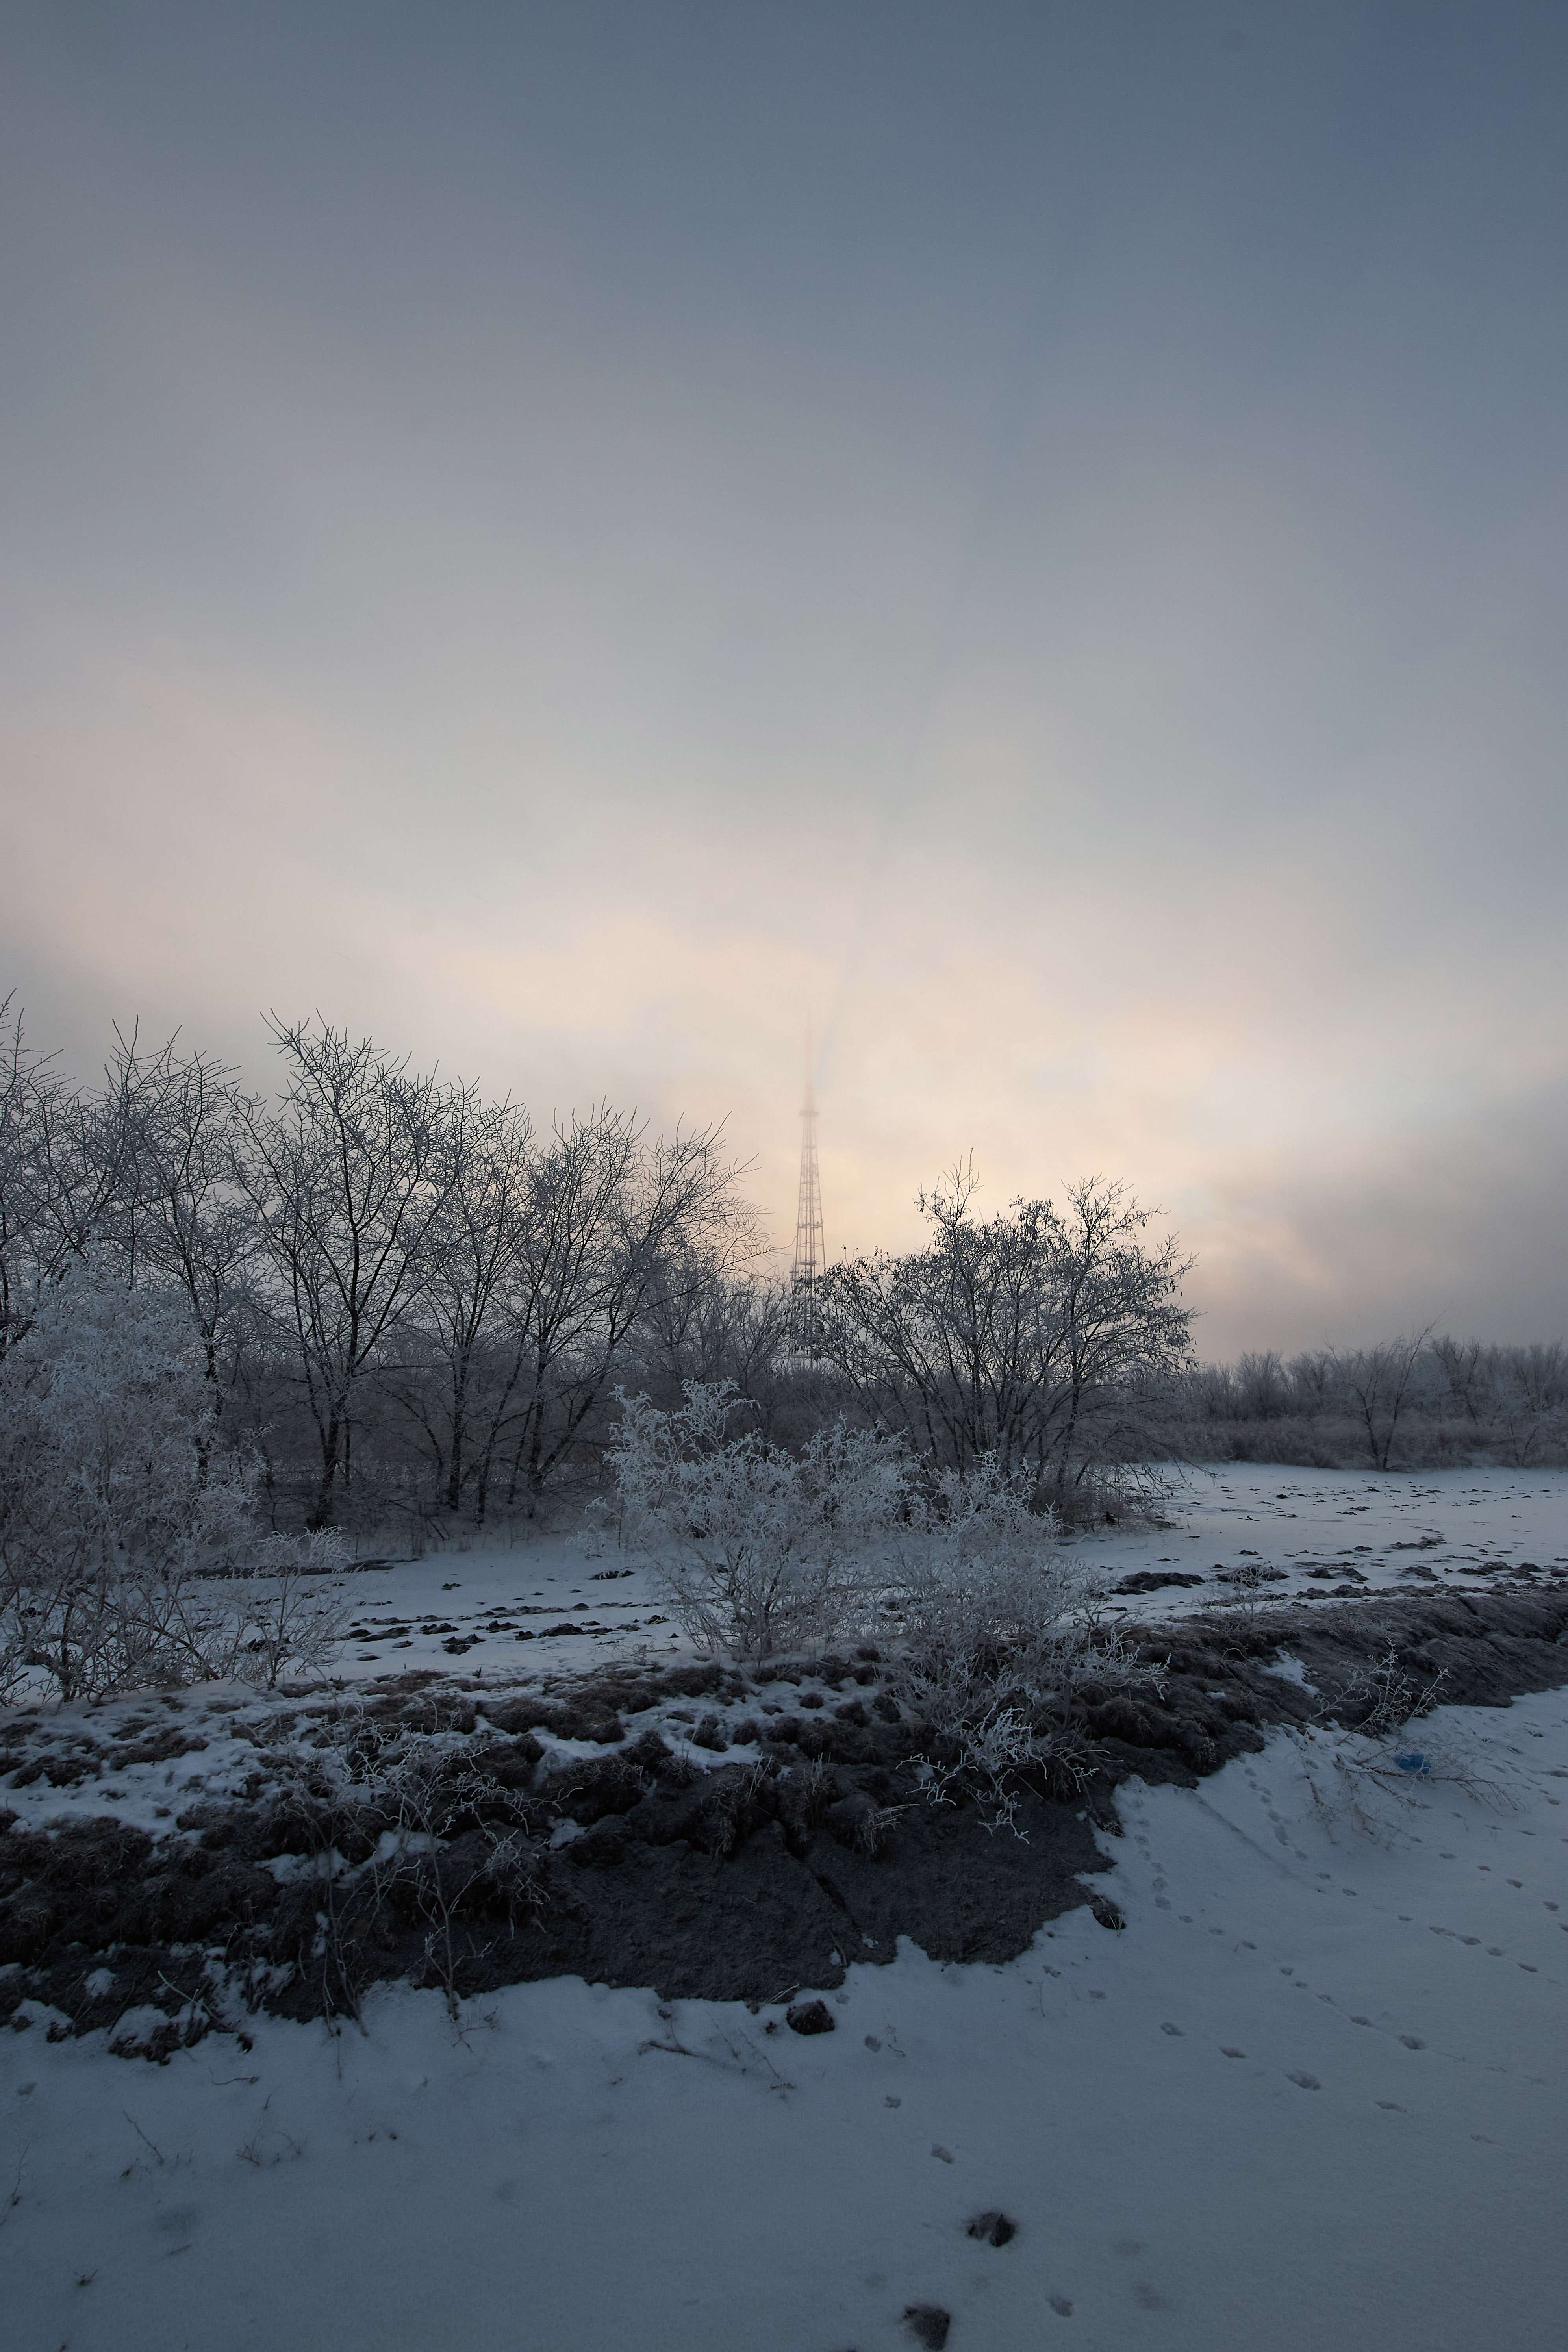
1413	1760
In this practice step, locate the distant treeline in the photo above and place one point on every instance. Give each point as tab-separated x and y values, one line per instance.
1408	1403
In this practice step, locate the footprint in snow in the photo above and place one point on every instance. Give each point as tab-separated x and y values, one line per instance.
996	2228
1231	2054
1062	2305
1305	2082
927	2323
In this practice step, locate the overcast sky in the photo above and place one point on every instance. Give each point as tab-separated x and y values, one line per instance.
582	538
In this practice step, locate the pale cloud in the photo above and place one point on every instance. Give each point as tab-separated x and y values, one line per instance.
1062	594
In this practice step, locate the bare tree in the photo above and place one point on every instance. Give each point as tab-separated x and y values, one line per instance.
185	1208
1262	1389
608	1215
1006	1336
23	1074
445	1375
63	1172
1379	1381
1530	1399
1463	1367
705	1322
551	1262
348	1182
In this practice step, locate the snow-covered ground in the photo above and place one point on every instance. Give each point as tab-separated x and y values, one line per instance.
504	1616
1396	1531
513	1610
1312	2095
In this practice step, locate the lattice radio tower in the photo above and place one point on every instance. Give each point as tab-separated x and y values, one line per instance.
810	1254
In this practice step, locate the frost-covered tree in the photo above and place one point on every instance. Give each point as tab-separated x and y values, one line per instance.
62	1172
113	1515
182	1215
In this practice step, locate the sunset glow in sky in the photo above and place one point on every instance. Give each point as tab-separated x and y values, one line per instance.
582	538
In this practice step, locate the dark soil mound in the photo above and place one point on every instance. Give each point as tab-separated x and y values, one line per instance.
747	1881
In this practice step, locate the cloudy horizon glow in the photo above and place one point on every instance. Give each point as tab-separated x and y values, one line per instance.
582	541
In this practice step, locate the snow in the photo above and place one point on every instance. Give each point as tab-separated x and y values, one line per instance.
1466	1527
1311	2094
481	1600
1386	1527
1381	1525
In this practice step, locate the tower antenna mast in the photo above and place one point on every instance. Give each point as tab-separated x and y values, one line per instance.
810	1254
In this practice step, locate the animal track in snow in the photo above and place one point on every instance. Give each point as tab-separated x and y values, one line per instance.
996	2228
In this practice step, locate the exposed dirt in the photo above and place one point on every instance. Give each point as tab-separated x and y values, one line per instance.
746	1880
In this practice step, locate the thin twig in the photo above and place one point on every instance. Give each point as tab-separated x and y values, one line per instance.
16	2196
141	2134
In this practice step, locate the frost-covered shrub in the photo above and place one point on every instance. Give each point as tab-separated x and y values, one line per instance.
997	1622
1382	1697
281	1620
754	1549
114	1514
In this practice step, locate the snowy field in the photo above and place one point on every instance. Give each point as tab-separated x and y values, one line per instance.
1392	1532
529	1613
1312	2095
572	1603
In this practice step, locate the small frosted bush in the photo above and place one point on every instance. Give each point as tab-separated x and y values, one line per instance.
756	1549
997	1624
